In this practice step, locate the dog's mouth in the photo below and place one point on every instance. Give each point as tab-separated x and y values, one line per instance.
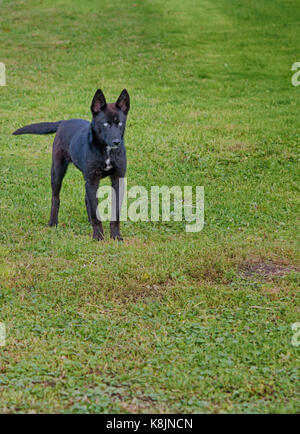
109	147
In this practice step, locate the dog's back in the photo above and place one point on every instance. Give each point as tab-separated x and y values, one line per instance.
73	131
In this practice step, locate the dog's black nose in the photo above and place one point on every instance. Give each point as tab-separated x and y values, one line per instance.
116	142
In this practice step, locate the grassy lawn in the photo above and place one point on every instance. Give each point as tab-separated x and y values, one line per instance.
167	321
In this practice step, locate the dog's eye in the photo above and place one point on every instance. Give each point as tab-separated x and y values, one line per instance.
105	124
120	124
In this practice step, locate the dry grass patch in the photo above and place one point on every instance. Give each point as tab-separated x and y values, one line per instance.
266	271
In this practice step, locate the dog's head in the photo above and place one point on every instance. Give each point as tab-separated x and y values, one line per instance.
109	120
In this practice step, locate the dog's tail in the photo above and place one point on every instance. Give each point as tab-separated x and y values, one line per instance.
41	128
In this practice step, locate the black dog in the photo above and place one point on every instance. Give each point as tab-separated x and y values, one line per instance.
96	148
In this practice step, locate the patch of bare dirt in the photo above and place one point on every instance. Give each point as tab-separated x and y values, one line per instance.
267	271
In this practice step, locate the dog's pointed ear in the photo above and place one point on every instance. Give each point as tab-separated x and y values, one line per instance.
98	103
123	101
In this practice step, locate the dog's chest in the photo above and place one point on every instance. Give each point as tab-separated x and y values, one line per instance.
105	164
108	162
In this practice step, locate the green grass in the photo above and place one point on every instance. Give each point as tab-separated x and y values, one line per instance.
166	321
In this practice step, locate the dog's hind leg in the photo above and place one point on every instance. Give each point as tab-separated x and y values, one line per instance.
58	170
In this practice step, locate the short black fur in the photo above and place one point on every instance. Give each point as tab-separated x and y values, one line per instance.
96	148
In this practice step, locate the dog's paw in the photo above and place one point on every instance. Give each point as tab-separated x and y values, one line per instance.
51	224
116	237
97	235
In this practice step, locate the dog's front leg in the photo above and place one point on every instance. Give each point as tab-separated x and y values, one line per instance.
117	198
88	208
91	196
